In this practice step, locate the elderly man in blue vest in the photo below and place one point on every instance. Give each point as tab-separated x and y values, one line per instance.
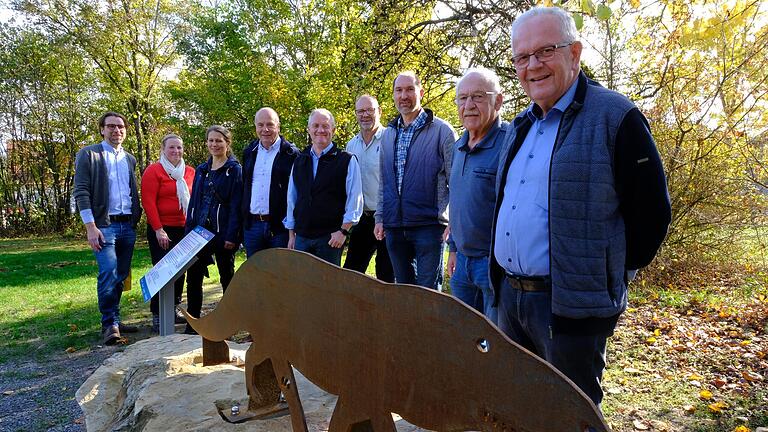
473	182
325	193
581	204
107	196
416	151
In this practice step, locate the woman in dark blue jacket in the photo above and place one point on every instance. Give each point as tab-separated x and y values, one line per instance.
215	204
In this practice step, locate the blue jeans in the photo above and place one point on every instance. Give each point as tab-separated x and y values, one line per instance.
417	255
259	237
526	317
320	248
114	261
471	285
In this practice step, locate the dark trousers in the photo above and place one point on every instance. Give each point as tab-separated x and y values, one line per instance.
157	253
259	236
362	245
526	317
320	248
225	261
417	255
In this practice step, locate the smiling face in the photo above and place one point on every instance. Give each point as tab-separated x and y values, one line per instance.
545	82
477	117
368	113
320	130
217	144
407	95
113	131
267	126
173	149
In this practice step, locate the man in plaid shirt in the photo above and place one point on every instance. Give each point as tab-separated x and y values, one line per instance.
412	213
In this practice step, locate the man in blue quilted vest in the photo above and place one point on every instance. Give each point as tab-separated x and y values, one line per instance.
581	204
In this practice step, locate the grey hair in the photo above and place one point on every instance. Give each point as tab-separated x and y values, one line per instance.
567	25
324	112
488	75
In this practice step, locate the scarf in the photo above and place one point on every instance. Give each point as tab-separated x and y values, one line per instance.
177	173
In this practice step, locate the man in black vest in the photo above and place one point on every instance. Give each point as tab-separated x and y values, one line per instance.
325	193
267	164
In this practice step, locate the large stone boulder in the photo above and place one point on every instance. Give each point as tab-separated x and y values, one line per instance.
161	384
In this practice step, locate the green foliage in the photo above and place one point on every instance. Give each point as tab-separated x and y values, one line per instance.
45	101
706	101
298	57
131	57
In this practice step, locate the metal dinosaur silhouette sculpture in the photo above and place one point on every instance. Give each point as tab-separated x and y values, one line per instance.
385	348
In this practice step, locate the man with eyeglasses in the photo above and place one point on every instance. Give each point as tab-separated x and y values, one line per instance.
366	146
473	182
106	194
267	163
581	204
416	152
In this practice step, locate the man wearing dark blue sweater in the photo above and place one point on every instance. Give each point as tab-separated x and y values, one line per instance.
581	204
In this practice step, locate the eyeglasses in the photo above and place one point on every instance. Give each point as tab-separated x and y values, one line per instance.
477	98
114	126
542	54
365	111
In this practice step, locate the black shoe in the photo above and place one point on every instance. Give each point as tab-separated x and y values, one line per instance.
189	330
110	335
179	318
125	328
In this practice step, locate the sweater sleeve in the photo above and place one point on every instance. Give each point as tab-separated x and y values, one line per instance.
150	187
82	190
642	187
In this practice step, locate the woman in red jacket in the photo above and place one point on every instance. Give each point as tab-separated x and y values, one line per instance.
165	190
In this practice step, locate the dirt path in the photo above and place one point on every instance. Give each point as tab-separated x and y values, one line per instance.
40	396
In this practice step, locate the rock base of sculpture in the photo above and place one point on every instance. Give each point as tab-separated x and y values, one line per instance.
161	384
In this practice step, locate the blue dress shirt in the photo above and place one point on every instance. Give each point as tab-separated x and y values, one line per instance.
521	244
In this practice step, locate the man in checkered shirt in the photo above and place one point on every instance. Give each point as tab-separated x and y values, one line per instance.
412	214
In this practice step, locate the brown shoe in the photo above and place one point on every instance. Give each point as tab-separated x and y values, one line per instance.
110	335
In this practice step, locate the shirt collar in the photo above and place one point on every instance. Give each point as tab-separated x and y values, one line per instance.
485	142
534	112
376	135
417	122
106	146
275	145
322	153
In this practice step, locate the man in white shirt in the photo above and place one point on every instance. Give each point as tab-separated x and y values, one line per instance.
366	146
267	164
107	196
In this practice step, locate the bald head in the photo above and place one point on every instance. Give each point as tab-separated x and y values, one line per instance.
368	113
267	126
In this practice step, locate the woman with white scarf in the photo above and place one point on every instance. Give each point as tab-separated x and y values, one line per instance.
165	190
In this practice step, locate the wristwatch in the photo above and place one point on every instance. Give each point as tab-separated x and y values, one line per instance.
345	232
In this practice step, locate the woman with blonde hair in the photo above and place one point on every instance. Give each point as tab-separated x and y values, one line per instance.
165	188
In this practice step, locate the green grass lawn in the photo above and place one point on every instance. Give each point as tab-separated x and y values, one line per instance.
48	295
